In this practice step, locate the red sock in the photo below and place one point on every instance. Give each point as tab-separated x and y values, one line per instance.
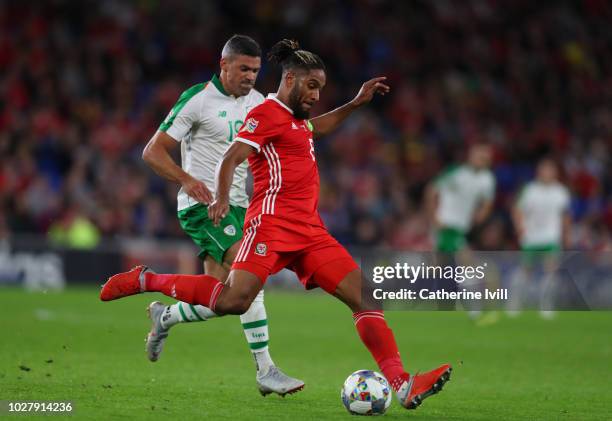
192	289
378	338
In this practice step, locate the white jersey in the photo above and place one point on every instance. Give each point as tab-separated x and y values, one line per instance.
461	189
205	120
542	207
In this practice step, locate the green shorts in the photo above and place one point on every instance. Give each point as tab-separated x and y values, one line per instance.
211	240
535	254
450	240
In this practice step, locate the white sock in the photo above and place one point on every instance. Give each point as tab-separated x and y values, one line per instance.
181	312
263	361
255	325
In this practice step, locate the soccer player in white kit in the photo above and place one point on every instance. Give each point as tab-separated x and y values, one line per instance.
204	121
542	222
461	197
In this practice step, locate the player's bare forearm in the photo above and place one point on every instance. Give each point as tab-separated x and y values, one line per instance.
483	212
566	230
431	202
157	155
234	156
517	220
224	179
328	122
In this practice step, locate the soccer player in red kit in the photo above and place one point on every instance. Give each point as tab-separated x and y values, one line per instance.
283	228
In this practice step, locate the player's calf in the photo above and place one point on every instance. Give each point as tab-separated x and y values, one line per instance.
192	289
380	341
236	298
350	292
233	302
238	295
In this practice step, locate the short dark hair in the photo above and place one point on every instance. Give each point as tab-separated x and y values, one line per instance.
241	45
288	55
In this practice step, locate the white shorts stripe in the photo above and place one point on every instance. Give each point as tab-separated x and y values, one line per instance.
256	223
245	241
243	244
248	242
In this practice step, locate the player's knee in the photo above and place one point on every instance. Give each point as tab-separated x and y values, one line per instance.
349	291
235	304
242	305
357	304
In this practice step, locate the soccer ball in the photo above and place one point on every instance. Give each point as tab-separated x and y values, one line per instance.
366	392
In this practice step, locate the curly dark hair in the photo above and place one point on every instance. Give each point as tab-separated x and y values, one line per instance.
288	55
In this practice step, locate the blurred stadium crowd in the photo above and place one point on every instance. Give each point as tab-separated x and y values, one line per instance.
84	85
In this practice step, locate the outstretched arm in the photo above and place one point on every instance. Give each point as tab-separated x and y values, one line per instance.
483	212
518	221
566	230
327	122
233	156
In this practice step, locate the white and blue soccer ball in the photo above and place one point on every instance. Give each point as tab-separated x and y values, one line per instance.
366	392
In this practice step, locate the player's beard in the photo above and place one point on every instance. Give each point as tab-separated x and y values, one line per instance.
296	104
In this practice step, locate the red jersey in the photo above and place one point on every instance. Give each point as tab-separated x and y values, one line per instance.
285	174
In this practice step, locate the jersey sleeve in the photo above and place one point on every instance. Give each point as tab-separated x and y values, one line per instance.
442	179
258	129
184	114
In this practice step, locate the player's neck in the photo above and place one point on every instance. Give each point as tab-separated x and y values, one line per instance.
225	84
547	182
283	97
476	168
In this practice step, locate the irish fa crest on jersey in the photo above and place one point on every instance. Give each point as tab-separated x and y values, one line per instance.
261	249
230	230
251	125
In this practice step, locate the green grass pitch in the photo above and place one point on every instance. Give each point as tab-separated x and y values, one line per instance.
92	353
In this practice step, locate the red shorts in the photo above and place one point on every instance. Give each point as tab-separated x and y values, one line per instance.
271	243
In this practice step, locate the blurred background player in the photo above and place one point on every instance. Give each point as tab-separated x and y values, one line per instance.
460	199
284	226
542	222
204	122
